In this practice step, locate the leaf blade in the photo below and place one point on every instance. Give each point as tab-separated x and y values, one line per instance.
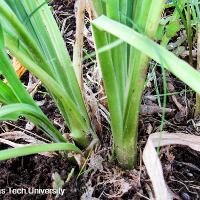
37	148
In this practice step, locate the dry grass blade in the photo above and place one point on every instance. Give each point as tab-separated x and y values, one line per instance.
90	9
16	135
152	109
197	110
78	47
8	137
12	144
153	164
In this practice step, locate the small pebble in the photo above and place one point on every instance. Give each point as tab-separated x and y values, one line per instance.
63	174
180	165
185	196
190	174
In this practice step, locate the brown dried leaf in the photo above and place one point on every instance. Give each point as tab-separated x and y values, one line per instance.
7	137
153	164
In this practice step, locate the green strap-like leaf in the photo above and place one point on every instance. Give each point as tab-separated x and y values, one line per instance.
125	140
39	21
32	33
37	148
1	38
14	111
6	94
178	67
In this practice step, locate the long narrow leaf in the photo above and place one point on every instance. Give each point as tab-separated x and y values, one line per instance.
14	111
37	148
6	94
171	62
43	27
125	138
19	91
80	128
44	33
12	24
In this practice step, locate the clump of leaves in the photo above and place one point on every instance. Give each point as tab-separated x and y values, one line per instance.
124	67
30	33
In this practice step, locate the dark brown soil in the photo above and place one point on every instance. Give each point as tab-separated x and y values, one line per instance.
184	176
36	172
